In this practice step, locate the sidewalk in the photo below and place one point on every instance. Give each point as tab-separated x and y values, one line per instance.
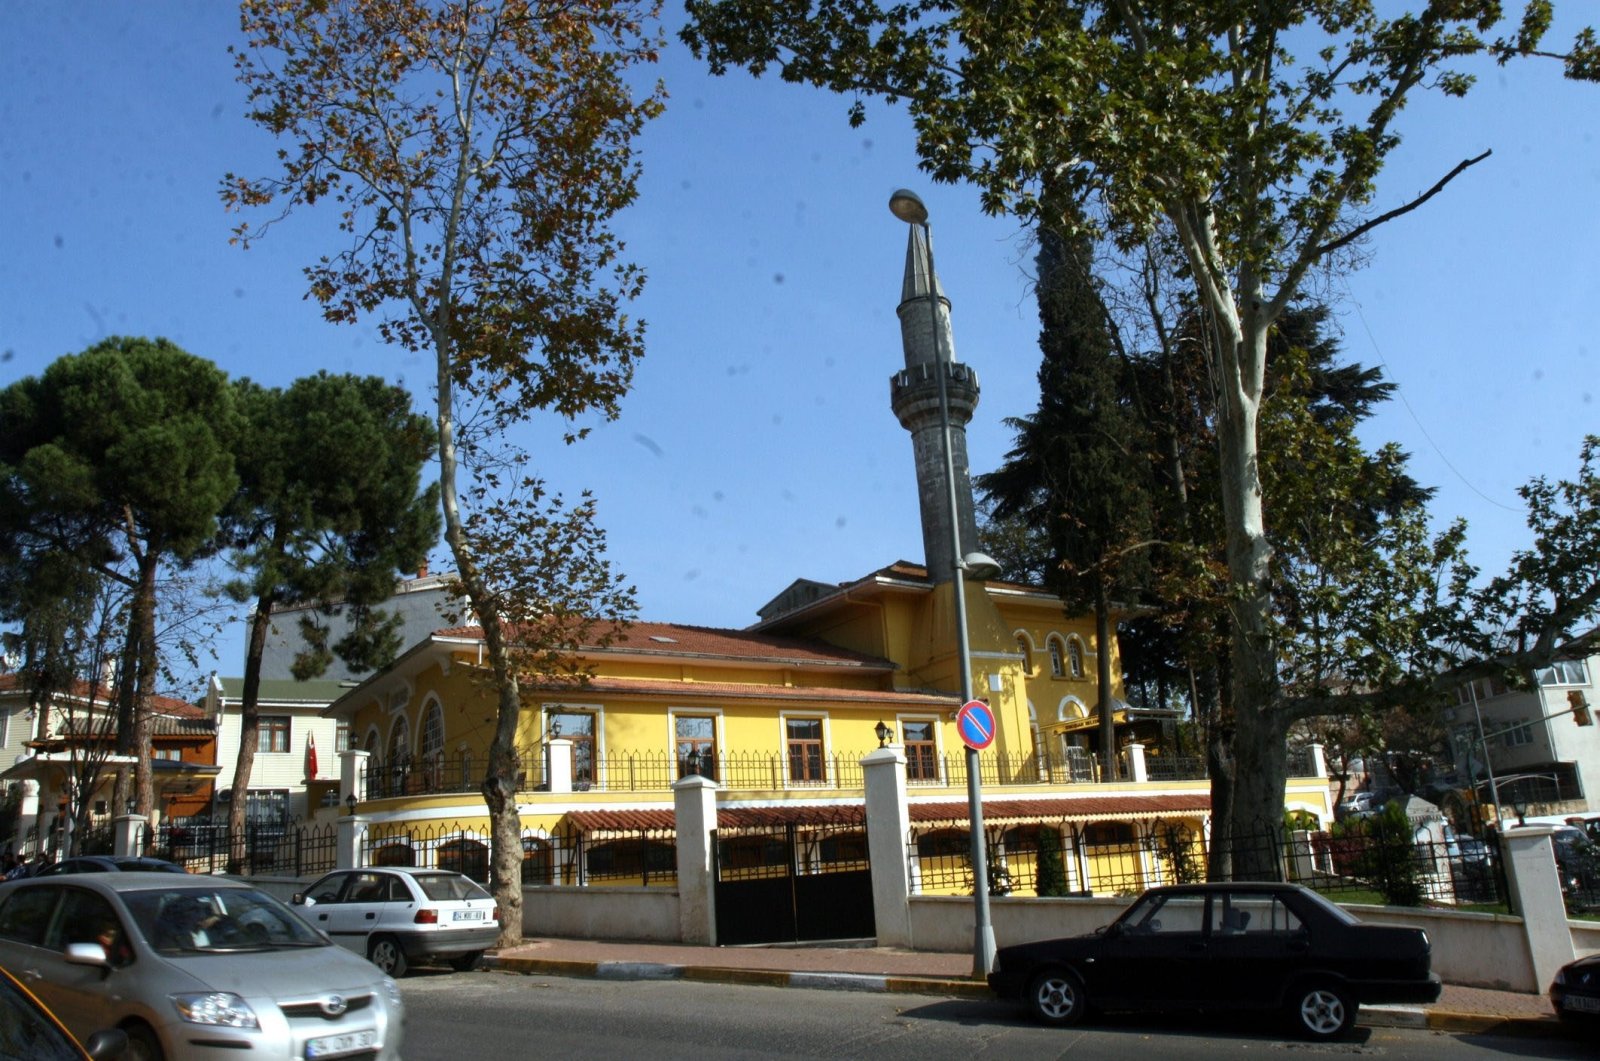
1459	1009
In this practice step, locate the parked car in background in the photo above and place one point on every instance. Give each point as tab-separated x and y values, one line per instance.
1578	865
193	967
110	864
30	1032
1575	991
1358	805
1229	946
398	916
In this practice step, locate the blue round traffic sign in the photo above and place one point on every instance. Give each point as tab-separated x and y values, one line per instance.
975	723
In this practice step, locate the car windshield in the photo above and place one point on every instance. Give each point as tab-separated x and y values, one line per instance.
201	919
445	887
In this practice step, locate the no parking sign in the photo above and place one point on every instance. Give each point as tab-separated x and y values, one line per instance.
975	723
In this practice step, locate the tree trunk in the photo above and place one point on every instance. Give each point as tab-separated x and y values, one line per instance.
500	776
144	716
249	731
1108	705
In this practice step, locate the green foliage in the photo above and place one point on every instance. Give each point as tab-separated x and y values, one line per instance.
1177	845
1050	873
330	508
1384	853
120	460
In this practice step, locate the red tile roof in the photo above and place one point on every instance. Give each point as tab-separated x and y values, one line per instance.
167	705
675	639
668	688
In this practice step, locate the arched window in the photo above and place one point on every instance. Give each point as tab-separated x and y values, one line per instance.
1027	653
1058	666
1075	657
397	763
470	857
537	863
394	855
432	747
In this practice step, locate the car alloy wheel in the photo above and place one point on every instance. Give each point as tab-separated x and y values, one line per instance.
1324	1011
1056	997
385	953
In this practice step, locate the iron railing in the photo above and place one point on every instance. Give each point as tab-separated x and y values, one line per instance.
1072	858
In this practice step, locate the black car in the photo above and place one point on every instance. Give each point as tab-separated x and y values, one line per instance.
1238	946
1575	992
110	864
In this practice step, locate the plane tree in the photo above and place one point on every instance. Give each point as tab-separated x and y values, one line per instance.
1257	132
475	153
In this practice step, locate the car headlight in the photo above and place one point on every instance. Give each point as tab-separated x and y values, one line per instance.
217	1008
1561	978
391	991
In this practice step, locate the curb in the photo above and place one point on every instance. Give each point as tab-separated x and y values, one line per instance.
1413	1017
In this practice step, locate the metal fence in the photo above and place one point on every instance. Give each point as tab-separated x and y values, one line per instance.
295	848
642	857
1119	858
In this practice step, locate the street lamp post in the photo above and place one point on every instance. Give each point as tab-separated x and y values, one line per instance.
908	207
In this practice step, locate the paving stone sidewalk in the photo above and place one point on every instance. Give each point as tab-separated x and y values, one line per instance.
1460	1009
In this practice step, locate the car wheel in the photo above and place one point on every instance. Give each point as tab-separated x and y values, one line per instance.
462	963
385	953
1056	997
143	1044
1322	1010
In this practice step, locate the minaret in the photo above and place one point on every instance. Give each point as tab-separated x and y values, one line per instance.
914	395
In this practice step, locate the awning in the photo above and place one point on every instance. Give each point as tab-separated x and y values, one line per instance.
1045	809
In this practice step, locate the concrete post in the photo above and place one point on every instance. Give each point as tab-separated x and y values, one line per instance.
1137	771
1536	897
1319	760
558	768
28	818
351	841
353	775
694	801
125	830
888	827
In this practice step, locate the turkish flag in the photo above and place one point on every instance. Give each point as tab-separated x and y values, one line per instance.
311	757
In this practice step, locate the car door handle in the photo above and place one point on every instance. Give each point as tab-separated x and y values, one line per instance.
1195	947
322	917
372	916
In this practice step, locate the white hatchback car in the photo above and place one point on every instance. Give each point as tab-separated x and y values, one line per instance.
397	915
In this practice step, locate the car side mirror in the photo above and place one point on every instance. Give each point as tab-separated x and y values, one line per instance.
87	954
299	899
1111	931
107	1044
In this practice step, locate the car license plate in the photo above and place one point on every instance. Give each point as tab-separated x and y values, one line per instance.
336	1045
1583	1004
469	915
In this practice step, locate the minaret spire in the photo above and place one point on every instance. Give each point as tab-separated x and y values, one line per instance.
929	345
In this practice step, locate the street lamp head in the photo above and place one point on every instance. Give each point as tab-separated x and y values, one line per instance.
907	206
883	732
979	566
351	801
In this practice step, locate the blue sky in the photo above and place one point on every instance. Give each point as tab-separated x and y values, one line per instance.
757	445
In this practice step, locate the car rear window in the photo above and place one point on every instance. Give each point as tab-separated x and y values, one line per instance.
449	887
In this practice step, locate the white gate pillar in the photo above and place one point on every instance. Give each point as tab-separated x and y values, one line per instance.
694	801
1536	898
888	830
351	841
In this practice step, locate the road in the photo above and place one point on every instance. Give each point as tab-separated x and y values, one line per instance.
501	1015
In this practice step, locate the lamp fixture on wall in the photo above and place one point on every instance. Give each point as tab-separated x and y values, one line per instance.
883	732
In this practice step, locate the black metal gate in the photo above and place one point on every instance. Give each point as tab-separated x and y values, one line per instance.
794	881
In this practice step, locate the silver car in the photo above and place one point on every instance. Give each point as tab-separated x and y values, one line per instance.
193	967
398	915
